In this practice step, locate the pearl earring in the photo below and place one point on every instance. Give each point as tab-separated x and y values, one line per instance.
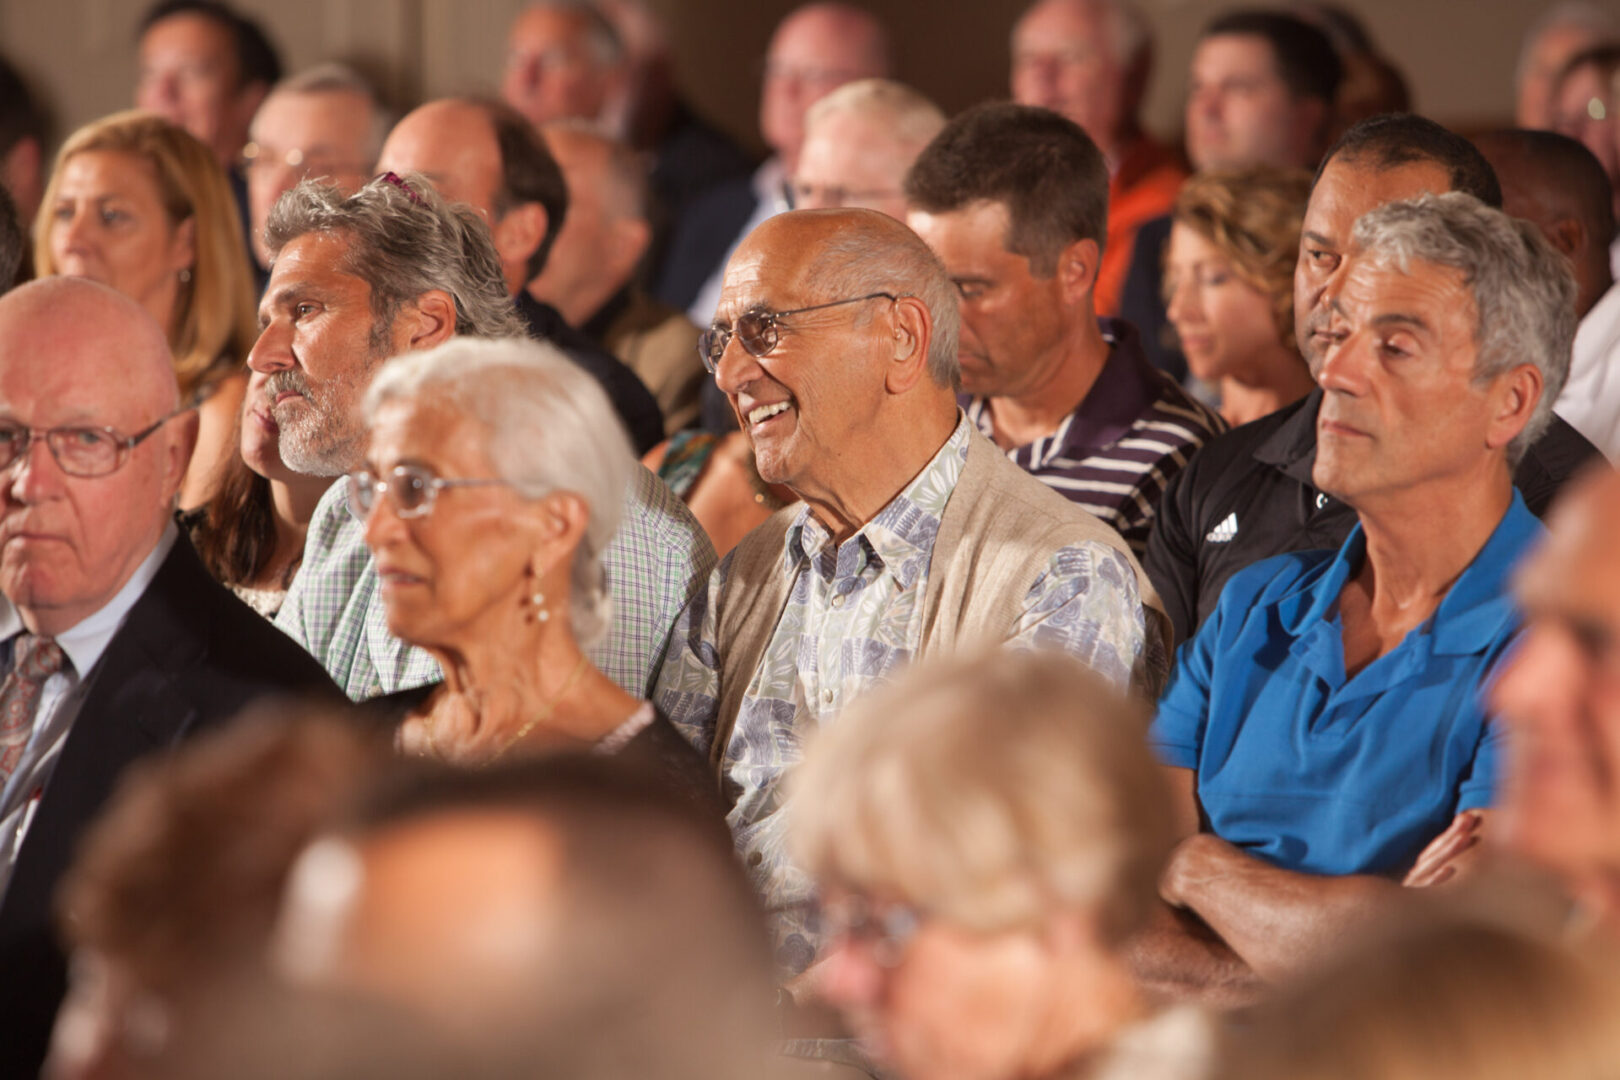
185	275
538	599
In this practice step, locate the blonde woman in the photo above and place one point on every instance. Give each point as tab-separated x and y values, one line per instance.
137	204
1229	286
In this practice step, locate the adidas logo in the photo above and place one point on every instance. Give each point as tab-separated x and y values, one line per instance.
1225	532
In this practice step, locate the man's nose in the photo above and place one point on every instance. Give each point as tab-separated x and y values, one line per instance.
737	368
273	351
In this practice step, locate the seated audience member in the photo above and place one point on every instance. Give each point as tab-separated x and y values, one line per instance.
815	49
392	269
1326	720
836	343
564	61
484	154
986	835
117	643
1448	999
1249	493
590	275
1229	286
559	917
1092	60
1560	806
174	246
1583	104
1559	33
1014	201
1260	91
169	905
859	142
1555	182
494	481
24	134
251	533
324	123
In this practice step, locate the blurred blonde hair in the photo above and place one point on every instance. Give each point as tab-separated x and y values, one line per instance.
1253	217
217	321
990	790
1448	998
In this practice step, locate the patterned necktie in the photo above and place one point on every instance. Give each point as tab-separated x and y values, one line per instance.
34	659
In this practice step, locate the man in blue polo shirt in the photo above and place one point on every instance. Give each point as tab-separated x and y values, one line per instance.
1326	724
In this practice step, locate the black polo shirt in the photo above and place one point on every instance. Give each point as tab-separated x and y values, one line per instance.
1247	495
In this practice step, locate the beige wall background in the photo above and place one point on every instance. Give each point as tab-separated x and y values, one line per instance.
1458	55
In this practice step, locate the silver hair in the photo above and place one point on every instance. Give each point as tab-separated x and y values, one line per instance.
549	426
910	117
1579	14
335	78
857	261
405	239
1523	288
1130	31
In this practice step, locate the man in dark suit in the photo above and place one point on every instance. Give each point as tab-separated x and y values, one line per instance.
114	641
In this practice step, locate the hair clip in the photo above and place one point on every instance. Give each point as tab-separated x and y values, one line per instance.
392	177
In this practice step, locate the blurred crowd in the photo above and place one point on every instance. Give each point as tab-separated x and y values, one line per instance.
979	597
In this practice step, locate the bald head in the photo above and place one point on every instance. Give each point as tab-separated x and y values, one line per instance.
77	355
815	50
1555	182
451	142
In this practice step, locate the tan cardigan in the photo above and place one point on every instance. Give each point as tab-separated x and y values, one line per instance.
999	531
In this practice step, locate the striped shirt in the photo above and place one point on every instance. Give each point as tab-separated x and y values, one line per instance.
1117	451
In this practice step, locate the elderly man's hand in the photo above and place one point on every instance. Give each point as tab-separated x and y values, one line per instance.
1448	854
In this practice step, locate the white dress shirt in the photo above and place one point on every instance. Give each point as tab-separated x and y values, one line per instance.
60	697
1590	400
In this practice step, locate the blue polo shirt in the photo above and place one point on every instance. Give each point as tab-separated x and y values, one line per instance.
1319	773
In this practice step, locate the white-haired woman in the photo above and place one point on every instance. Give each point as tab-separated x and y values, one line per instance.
493	483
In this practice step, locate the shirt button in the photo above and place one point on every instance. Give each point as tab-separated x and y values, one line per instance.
756	858
827	696
838	600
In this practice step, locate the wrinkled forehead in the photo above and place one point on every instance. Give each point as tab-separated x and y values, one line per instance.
90	355
770	270
1381	286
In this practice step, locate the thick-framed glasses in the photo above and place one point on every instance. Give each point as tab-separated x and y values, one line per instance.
758	331
886	929
85	452
412	489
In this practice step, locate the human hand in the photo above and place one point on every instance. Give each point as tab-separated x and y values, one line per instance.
1439	861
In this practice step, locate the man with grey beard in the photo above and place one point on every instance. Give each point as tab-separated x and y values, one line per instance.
391	269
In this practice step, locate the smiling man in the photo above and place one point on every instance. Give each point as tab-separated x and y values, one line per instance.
358	279
114	640
835	343
1326	723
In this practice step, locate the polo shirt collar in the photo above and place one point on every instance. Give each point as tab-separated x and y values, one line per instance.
1473	613
900	536
1292	447
1125	388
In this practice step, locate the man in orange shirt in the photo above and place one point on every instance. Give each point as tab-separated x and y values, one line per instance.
1090	60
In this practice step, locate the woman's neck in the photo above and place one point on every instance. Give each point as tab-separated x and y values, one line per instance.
1275	379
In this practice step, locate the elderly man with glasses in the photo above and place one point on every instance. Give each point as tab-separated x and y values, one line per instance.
114	640
835	342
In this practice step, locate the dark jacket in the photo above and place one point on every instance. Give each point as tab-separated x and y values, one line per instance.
188	657
1247	495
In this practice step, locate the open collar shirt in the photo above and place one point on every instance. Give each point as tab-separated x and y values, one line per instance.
853	617
656	561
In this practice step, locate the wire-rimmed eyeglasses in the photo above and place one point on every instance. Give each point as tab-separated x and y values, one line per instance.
413	489
84	451
758	332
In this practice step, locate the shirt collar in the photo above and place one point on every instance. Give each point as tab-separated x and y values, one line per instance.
1125	388
86	640
1292	447
1473	613
901	535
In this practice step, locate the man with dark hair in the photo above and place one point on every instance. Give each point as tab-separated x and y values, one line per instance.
485	154
23	131
1555	182
564	917
206	68
1260	91
1250	494
1014	201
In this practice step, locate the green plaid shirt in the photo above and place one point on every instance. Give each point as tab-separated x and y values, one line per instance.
659	559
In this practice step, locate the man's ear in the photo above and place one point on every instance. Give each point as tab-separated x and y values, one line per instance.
177	451
913	329
432	319
519	232
1077	269
1515	401
1568	235
630	238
